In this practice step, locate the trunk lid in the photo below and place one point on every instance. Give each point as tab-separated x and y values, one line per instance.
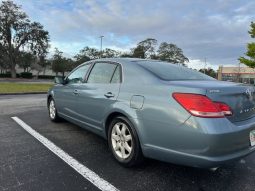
240	97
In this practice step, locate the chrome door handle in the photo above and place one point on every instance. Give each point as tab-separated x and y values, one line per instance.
109	95
75	92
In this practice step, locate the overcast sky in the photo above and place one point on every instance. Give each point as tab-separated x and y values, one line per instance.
211	29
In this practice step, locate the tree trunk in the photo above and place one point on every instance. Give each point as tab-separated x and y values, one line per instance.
13	69
12	62
11	53
13	73
36	76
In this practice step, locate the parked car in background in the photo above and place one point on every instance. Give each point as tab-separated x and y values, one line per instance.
147	108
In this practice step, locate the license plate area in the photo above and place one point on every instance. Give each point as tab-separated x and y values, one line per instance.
252	138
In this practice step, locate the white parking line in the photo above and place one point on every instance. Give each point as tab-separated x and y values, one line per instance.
80	168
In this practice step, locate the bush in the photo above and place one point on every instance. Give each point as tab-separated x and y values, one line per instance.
46	77
6	75
27	75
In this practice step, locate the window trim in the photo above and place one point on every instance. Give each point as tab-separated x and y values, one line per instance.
108	62
114	73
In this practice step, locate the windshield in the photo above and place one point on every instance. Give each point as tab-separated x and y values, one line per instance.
169	72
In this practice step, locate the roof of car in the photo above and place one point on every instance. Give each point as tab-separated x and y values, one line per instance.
125	60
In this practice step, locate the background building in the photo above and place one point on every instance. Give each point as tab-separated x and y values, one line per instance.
237	74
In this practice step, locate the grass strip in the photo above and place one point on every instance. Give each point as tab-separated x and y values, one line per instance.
13	87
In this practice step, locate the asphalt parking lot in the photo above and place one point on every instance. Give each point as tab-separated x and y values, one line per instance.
27	164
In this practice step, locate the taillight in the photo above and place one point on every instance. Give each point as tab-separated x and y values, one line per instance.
224	108
202	106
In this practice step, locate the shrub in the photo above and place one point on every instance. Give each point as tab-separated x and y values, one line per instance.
27	75
46	77
6	75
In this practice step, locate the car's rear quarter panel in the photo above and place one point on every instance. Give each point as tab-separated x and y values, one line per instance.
161	119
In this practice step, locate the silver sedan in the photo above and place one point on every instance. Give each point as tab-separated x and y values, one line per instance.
153	109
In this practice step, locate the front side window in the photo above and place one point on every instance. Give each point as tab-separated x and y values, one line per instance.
77	76
102	73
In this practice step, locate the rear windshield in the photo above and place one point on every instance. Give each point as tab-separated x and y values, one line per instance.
169	72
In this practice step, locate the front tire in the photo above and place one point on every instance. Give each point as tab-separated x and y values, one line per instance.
124	143
53	114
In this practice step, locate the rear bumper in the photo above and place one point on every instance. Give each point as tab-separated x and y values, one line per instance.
193	160
205	143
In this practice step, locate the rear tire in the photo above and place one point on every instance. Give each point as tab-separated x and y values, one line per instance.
124	143
53	114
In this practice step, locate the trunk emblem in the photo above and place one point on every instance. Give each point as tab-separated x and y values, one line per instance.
249	92
214	91
247	110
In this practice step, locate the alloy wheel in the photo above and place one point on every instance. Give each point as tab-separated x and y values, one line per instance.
52	109
121	139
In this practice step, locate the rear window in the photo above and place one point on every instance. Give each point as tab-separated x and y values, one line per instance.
170	72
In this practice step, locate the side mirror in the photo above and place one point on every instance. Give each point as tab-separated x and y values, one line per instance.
59	80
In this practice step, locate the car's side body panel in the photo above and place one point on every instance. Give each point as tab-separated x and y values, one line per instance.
65	98
92	103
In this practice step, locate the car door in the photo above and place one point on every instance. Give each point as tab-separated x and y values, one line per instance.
99	93
66	95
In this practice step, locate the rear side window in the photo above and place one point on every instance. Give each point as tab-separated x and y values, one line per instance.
170	72
101	73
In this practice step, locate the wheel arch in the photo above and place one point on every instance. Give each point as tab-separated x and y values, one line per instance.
49	96
133	119
48	99
109	118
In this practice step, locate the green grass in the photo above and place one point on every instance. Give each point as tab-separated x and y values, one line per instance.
13	87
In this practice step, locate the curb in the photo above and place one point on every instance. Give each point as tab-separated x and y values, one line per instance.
23	93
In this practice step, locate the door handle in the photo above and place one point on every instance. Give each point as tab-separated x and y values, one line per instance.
75	92
109	95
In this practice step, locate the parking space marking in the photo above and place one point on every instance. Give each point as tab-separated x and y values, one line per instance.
80	168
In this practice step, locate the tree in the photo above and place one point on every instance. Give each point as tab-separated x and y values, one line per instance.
91	53
80	58
145	49
209	72
88	53
171	53
37	67
60	63
17	31
252	31
250	50
69	64
126	55
149	46
25	60
138	52
110	53
43	62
